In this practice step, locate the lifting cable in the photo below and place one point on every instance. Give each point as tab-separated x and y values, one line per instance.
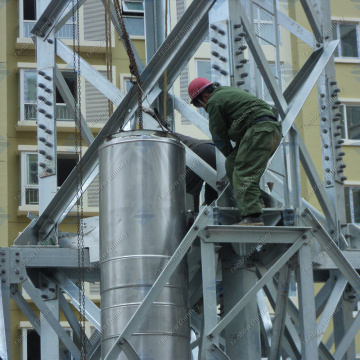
109	74
165	72
79	176
133	67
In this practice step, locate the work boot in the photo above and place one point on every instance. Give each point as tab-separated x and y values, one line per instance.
251	221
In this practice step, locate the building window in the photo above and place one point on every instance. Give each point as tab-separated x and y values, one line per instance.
29	98
203	69
29	175
133	7
349	39
350	121
28	20
133	12
352	204
264	26
262	90
31	348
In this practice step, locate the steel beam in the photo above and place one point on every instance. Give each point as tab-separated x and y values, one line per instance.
49	257
65	16
313	19
200	167
192	115
50	318
262	282
49	15
265	324
316	184
305	90
201	221
263	66
335	254
347	339
253	234
280	312
92	312
5	321
330	307
66	94
100	82
289	24
72	320
208	261
292	342
324	293
309	348
25	308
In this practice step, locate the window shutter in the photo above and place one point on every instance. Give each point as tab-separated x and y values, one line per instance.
94	20
96	105
93	193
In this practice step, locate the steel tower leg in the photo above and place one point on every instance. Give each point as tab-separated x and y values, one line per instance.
5	321
47	159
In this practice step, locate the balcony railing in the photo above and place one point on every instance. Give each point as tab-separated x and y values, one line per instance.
66	32
62	113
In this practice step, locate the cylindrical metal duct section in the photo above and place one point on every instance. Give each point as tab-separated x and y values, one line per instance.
142	221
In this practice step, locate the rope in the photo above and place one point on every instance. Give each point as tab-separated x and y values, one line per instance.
133	67
165	72
79	180
108	48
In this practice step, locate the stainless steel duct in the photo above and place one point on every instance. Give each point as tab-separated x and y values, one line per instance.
142	221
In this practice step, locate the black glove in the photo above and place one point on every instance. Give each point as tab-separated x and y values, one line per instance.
221	183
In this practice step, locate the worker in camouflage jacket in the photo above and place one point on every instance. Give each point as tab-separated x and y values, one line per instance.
236	115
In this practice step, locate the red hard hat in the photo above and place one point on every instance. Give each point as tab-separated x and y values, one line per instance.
197	86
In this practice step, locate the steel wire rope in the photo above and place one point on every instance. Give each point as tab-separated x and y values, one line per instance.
79	176
133	66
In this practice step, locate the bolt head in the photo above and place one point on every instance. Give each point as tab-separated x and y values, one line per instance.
21	278
196	228
304	236
17	271
17	253
207	235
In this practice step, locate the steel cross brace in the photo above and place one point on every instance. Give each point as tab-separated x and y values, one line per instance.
328	244
259	285
49	17
92	312
263	65
289	24
313	19
280	312
202	220
66	94
72	320
25	308
292	342
50	318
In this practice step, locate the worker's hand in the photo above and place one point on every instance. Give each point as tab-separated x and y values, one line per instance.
221	183
148	110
